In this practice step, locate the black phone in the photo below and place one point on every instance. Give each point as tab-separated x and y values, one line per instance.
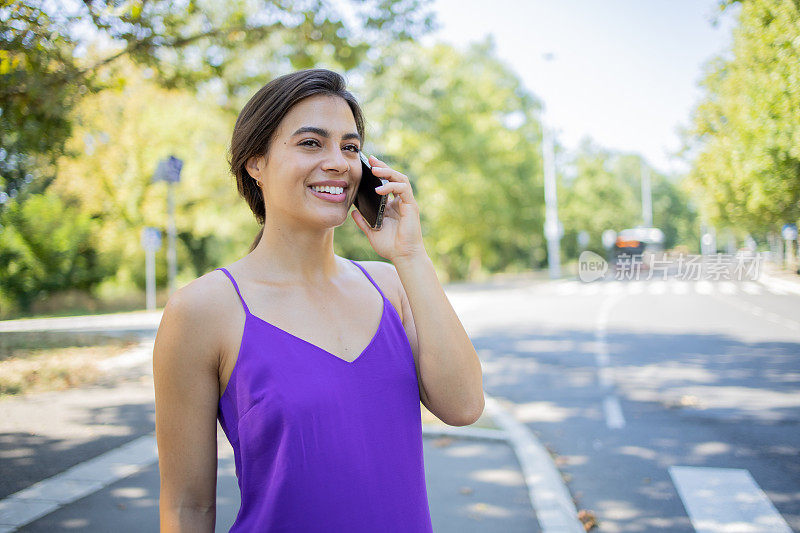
368	202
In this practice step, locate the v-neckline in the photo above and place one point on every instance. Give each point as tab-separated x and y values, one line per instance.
304	341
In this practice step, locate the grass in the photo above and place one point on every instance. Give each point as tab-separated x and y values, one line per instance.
45	361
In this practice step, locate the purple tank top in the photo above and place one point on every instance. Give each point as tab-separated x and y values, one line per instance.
321	444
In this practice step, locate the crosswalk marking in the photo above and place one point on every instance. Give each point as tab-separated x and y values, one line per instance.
703	287
725	499
751	287
678	287
727	287
659	287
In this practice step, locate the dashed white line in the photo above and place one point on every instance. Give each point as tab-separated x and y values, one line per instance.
613	411
605	376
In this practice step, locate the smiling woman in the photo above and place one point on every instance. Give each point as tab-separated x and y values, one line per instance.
318	387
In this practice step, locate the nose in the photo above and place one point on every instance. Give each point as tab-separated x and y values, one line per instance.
336	162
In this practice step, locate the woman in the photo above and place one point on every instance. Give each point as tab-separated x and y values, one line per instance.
324	421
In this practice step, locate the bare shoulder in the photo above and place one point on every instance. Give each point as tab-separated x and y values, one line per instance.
202	311
385	275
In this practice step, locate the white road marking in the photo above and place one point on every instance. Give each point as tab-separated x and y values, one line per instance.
613	410
657	287
771	286
778	285
751	287
721	500
679	287
703	287
727	287
605	376
568	288
609	287
590	289
635	287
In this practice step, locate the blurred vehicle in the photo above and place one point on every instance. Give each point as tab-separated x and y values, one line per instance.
637	245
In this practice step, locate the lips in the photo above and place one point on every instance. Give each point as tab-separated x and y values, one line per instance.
337	198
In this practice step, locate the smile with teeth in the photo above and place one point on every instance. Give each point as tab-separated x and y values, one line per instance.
329	189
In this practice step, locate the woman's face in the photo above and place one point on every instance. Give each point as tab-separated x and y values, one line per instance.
315	142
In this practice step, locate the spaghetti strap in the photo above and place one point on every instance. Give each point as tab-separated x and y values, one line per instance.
235	286
368	276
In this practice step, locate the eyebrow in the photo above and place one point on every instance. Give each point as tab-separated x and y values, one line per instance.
325	133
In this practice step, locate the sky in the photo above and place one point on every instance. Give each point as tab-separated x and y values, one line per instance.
624	72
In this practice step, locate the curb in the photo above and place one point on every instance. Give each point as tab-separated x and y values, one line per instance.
46	496
547	491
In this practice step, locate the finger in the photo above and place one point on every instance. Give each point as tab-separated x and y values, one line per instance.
390	174
401	189
378	164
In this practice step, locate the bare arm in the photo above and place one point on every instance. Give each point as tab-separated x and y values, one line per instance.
449	371
185	365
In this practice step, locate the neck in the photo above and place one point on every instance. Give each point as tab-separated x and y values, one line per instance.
290	254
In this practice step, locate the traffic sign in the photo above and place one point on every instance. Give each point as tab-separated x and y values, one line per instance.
169	169
151	239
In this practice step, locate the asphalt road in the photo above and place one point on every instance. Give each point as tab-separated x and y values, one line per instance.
668	406
671	406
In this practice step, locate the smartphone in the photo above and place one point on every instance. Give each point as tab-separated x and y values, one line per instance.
368	202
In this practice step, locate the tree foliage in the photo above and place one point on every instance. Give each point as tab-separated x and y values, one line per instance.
463	128
47	64
47	245
746	133
604	191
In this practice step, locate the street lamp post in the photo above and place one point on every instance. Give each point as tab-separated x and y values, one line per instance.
552	227
647	198
553	230
169	170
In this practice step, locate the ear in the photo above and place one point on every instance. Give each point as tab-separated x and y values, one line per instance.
254	166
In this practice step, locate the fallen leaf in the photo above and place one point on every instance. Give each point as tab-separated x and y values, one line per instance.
441	442
587	518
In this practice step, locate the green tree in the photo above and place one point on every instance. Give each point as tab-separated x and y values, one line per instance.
48	246
119	137
603	191
597	197
47	64
463	128
745	139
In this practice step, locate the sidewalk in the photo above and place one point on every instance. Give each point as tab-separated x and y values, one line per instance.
86	459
